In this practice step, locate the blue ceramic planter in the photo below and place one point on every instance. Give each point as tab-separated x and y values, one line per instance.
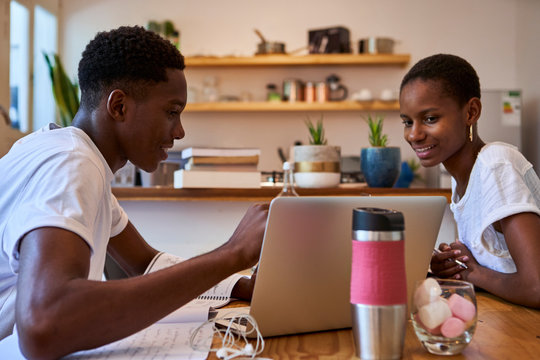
380	165
405	177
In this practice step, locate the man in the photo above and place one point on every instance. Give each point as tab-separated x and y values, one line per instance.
59	217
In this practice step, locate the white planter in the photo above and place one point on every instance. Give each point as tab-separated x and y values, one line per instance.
317	166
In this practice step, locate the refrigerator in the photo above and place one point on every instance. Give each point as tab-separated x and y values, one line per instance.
500	121
501	117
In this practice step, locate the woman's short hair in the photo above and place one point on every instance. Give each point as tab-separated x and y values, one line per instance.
126	58
456	76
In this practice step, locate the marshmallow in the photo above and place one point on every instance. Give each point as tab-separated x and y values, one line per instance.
427	292
461	307
452	327
436	331
434	313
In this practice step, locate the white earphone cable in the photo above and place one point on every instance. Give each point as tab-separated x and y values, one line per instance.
234	337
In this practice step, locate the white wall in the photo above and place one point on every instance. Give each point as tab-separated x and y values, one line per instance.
187	228
486	32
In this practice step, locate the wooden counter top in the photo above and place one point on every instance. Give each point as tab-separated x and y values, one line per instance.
503	331
262	194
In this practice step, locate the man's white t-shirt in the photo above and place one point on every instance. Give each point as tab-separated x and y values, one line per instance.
54	177
502	183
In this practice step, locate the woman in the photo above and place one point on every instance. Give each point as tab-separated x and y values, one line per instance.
495	190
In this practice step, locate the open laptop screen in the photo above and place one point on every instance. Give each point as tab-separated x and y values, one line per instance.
303	281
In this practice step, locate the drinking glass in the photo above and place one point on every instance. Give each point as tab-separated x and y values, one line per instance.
444	314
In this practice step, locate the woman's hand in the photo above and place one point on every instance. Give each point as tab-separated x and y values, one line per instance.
466	257
443	264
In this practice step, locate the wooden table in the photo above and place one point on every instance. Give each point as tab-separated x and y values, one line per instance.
504	331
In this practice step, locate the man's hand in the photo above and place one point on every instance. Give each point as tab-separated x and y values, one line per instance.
243	289
246	241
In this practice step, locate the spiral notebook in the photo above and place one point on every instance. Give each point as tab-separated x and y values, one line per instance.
198	309
303	281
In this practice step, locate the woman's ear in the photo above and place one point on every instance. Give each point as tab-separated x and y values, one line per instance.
474	109
116	105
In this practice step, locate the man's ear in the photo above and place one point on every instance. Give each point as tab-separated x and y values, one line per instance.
474	109
116	105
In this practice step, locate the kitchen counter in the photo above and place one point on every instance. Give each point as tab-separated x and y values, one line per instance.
262	194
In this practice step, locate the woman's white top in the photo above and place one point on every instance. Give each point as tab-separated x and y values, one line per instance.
502	183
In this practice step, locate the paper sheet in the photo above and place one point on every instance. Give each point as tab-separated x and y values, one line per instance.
159	341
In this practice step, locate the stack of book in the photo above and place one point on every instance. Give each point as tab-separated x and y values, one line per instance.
204	167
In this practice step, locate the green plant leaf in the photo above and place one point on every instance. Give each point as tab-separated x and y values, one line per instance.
316	132
415	166
376	136
69	90
66	93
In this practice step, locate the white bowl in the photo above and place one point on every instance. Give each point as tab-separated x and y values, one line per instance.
317	179
362	95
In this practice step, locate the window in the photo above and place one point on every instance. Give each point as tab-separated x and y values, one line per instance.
18	69
32	103
44	41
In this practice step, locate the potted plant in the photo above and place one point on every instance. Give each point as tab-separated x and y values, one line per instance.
317	165
409	173
66	93
380	164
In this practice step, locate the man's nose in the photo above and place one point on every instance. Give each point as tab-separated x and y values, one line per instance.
178	131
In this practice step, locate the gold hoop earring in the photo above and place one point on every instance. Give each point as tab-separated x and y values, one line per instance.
470	133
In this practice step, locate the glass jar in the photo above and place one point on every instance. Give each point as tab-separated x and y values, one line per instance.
272	93
210	91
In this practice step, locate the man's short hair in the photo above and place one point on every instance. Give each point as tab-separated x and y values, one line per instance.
456	76
126	58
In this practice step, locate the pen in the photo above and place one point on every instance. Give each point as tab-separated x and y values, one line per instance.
460	263
255	268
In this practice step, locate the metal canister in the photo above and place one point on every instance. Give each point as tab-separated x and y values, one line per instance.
378	283
293	90
322	92
309	92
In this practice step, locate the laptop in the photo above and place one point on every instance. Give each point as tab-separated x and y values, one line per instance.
303	280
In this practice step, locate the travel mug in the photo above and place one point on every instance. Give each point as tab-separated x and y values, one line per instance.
378	283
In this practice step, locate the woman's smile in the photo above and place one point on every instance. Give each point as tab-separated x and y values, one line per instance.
423	151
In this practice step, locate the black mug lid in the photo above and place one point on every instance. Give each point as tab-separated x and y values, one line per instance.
377	219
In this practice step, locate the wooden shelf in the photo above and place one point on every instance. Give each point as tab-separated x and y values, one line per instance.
291	60
262	194
294	106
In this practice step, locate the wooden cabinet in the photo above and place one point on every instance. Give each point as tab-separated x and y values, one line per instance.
318	60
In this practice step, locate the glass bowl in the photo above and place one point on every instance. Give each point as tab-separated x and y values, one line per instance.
444	314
